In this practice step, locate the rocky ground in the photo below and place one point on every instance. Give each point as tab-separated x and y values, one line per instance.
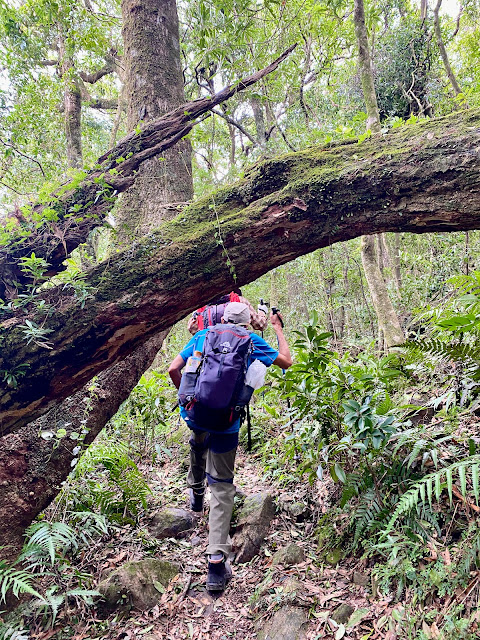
285	588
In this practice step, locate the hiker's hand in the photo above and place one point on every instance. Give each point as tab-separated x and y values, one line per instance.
276	320
263	308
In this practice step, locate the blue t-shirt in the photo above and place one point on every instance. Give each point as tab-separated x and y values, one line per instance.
261	351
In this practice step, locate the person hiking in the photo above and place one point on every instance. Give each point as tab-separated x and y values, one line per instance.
212	313
213	445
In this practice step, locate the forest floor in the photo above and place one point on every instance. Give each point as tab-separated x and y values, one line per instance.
258	589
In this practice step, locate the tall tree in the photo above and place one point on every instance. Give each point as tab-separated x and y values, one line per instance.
365	68
389	324
154	86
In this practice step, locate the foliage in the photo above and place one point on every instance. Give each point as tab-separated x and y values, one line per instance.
123	491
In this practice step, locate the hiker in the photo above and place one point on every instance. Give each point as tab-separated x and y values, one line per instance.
214	440
211	313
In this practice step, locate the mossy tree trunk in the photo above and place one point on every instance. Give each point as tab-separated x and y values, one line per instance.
32	468
417	178
388	322
153	88
365	68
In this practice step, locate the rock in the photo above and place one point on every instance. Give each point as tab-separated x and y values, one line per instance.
287	624
253	523
291	555
291	586
297	510
333	556
171	523
342	613
136	584
360	578
195	541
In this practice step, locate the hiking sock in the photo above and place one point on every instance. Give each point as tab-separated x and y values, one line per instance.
196	499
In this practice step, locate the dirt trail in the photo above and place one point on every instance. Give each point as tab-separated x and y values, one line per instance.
257	589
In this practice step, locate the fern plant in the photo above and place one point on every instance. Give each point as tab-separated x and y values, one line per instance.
423	491
15	580
12	632
46	541
123	492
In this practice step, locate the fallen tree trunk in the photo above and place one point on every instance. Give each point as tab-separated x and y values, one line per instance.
419	178
54	229
32	468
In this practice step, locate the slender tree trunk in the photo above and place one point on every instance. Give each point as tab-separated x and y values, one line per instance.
72	105
423	9
153	87
396	263
387	318
259	117
443	51
365	67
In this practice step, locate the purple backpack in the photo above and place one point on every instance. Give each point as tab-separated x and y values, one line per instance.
215	394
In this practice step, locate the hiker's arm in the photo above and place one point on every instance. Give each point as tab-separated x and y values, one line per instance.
284	359
175	370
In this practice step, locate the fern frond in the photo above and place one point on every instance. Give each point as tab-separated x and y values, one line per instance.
417	494
46	539
7	632
15	580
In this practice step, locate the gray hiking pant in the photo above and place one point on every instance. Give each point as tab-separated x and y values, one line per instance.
212	456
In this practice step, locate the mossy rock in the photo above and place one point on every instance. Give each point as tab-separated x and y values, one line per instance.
287	624
254	520
342	613
289	556
171	523
333	556
136	585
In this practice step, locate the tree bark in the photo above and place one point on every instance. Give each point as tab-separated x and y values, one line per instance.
32	468
418	179
387	317
396	263
259	118
153	87
443	51
80	208
72	105
365	67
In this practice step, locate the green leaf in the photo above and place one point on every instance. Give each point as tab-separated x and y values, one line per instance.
159	587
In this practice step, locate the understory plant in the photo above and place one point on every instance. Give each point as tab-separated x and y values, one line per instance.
401	481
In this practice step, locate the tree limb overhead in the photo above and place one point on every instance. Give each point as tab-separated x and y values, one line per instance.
416	178
76	209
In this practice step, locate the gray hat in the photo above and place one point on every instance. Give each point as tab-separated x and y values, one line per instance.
237	313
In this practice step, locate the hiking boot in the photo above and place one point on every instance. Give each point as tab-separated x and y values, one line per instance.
196	500
219	573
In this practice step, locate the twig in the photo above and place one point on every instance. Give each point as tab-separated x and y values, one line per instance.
469	504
